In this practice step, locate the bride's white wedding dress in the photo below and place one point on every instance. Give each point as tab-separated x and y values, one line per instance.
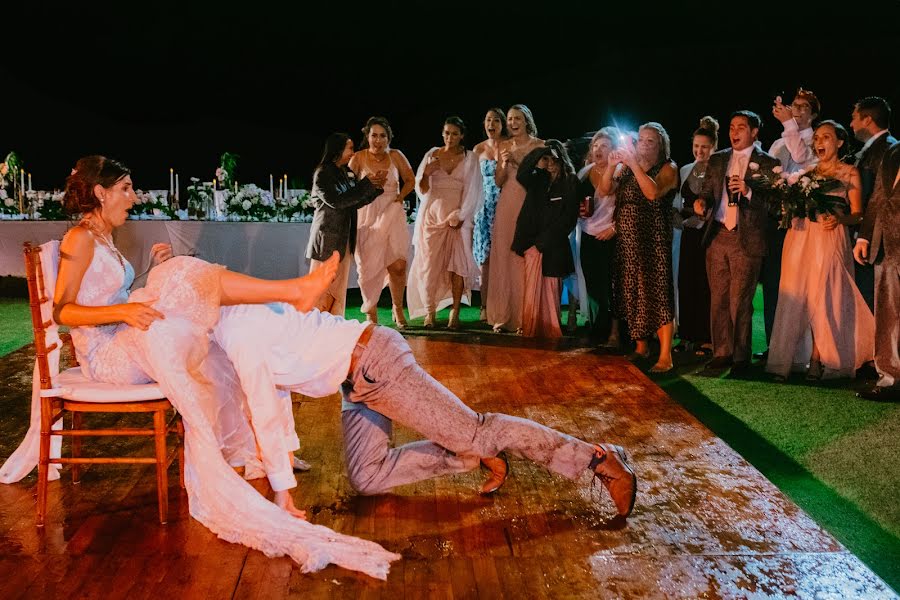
175	352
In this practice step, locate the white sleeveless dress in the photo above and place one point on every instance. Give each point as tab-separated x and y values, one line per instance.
382	237
176	353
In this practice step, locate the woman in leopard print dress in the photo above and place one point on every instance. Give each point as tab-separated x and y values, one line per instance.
644	181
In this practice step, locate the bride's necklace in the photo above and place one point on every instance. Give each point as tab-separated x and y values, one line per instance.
105	239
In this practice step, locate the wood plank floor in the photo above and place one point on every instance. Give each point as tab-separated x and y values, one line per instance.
706	524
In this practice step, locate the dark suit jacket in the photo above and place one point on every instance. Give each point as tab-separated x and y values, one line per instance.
548	216
337	196
881	224
870	161
752	212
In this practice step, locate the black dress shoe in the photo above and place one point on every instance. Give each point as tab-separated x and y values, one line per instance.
880	394
764	355
719	362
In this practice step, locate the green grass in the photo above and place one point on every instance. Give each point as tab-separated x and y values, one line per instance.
836	456
15	325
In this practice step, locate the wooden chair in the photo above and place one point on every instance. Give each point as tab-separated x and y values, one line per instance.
70	391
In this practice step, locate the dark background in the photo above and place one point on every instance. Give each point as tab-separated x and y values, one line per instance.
175	84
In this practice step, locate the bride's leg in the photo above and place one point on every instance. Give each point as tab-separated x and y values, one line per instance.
302	292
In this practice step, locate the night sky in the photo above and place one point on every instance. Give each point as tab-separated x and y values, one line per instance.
176	84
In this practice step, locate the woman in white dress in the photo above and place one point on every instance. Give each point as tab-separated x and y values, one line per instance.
382	243
507	269
443	268
160	333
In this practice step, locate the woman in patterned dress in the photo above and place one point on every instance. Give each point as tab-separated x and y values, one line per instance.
644	181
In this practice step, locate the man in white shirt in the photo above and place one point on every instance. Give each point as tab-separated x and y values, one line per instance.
735	238
794	151
276	349
869	121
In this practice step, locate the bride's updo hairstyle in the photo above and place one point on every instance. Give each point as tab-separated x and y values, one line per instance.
89	171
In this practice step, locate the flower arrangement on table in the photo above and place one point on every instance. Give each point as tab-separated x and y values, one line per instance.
251	203
200	198
296	208
803	194
8	204
150	204
46	206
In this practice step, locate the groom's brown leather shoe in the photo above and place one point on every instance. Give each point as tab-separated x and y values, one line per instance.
610	466
499	469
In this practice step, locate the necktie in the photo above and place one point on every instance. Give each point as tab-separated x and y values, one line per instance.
738	165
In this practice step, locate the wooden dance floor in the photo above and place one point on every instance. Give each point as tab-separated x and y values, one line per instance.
706	523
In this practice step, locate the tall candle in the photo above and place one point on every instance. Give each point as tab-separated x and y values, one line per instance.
29	182
177	187
285	186
214	184
271	185
235	187
171	180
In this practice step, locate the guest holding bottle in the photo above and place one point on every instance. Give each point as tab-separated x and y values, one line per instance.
692	281
443	268
542	232
488	153
597	240
382	234
337	196
644	181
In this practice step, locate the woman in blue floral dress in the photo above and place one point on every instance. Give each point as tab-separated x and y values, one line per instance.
487	153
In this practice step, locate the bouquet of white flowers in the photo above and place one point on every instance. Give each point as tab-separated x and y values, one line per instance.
46	206
251	203
297	208
149	203
200	198
803	194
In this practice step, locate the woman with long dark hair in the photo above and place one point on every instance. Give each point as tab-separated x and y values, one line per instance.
382	234
443	269
337	196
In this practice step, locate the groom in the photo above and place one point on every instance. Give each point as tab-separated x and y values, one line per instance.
735	238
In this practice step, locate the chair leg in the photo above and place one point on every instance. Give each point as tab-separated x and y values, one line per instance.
162	479
76	447
43	461
179	425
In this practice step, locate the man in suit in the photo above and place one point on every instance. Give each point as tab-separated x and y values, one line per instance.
735	238
879	243
869	122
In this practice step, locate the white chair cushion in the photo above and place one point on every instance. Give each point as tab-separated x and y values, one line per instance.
71	384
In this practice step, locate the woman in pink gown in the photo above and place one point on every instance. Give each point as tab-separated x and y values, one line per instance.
443	268
382	238
822	320
506	268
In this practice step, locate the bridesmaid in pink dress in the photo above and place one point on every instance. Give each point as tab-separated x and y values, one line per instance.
443	269
506	268
382	239
822	320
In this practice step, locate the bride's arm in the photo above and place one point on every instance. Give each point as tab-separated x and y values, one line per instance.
75	254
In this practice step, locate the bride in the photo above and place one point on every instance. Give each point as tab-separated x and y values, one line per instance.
160	333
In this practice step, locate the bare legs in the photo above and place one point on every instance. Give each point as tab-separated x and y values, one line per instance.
397	284
302	292
665	334
457	285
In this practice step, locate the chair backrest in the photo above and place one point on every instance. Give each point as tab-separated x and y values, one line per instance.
41	267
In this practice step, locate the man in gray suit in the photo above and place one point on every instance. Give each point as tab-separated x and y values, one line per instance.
735	238
879	243
869	122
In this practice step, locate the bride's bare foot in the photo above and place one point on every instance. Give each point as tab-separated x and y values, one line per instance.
310	288
284	500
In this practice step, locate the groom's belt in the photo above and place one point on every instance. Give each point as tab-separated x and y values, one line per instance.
360	346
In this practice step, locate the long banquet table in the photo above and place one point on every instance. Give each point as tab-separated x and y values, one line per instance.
269	250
